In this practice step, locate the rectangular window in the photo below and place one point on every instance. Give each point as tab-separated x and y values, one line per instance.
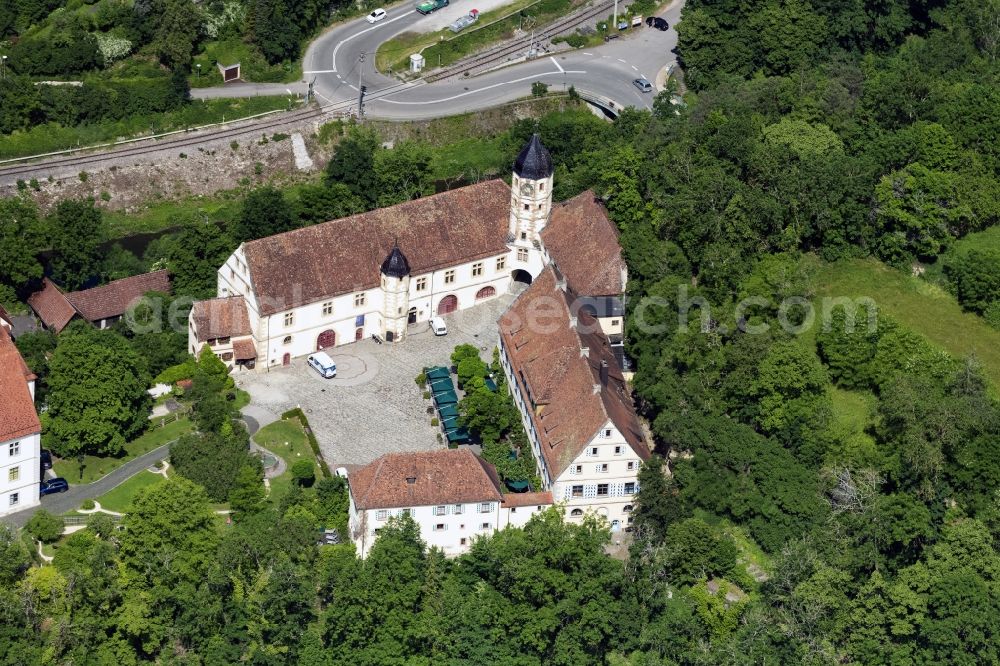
421	284
614	322
522	254
594	450
449	277
15	449
524	235
602	489
381	514
602	468
14	474
328	308
501	263
607	432
485	526
14	499
477	269
440	511
463	541
577	491
619	450
631	465
485	507
439	527
457	510
630	488
289	318
359	300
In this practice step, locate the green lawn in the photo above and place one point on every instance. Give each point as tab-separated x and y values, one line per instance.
120	498
95	467
160	215
923	307
285	439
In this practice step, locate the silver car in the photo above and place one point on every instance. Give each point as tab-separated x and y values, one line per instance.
643	85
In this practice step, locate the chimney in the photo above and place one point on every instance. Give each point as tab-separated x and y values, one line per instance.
585	352
604	373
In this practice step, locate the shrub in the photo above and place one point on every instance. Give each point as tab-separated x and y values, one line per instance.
88	505
304	473
421	380
427	395
539	89
44	526
234	145
105	195
21	185
434	421
84	176
34	184
101	524
992	315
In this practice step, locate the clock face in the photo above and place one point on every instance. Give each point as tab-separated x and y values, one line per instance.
527	189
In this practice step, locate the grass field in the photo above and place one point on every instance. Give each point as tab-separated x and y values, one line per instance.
923	307
287	440
94	467
160	215
120	498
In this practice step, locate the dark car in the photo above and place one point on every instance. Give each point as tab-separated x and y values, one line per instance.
657	22
46	458
56	485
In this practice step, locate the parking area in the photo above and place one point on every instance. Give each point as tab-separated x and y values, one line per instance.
373	405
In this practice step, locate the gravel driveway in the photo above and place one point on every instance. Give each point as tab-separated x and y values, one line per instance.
374	406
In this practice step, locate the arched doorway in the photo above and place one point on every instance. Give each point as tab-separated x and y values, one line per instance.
411	316
286	359
486	292
448	304
326	339
358	334
521	275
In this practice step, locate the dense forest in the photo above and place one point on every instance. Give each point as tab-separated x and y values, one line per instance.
832	494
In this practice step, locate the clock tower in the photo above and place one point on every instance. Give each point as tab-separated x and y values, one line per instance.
531	194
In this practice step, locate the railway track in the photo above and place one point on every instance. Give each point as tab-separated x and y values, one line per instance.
158	145
497	54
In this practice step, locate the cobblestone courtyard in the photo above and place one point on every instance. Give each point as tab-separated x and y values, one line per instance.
373	406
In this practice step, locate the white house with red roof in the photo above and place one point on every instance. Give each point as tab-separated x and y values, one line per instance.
20	431
453	495
574	401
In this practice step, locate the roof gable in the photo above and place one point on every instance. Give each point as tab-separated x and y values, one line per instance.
18	417
583	243
115	298
51	306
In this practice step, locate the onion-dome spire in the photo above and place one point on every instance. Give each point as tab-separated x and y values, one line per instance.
396	265
534	161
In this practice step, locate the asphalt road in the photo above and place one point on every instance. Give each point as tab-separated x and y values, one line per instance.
342	56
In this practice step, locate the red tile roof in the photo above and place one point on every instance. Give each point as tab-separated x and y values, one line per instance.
244	350
17	410
527	499
342	256
5	319
51	306
115	298
570	402
221	318
583	243
449	476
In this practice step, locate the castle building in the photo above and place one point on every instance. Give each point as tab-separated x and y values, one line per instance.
383	272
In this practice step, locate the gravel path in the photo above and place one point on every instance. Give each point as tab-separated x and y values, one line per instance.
62	502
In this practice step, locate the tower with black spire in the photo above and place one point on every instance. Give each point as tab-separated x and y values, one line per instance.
531	195
395	294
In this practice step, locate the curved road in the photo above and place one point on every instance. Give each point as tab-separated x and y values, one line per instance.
340	56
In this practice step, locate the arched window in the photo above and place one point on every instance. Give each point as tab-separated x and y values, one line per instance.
627	508
486	292
576	512
287	340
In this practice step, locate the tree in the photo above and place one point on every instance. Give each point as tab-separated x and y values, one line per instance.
304	472
213	460
847	344
76	231
21	239
976	277
657	505
193	257
694	552
265	213
44	526
402	173
320	203
36	347
353	164
247	494
178	22
97	394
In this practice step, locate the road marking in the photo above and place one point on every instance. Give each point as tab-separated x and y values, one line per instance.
478	90
589	54
358	34
606	57
320	71
288	90
635	68
622	61
558	66
574	71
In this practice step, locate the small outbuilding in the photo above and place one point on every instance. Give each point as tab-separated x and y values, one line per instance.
229	72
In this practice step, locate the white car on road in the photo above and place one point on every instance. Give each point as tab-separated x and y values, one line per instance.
376	16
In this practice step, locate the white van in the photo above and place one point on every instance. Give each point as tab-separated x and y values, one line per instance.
438	326
323	364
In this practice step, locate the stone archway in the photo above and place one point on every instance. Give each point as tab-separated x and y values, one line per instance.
447	304
326	339
521	275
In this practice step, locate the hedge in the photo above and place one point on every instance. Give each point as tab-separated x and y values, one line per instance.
297	413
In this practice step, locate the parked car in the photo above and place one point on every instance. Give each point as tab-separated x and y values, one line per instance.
657	22
438	326
623	24
323	364
376	16
465	21
56	485
429	6
46	458
643	85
